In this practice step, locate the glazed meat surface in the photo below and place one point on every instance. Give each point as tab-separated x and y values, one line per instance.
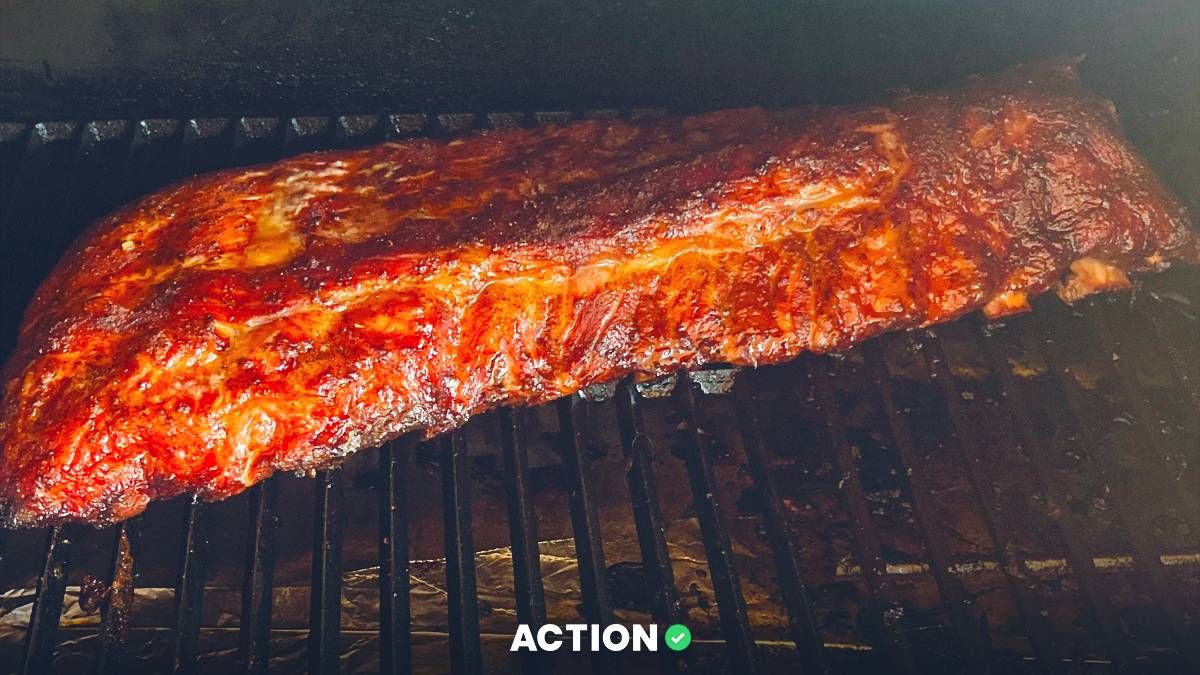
281	317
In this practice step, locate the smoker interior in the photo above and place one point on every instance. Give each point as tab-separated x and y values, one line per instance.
1017	497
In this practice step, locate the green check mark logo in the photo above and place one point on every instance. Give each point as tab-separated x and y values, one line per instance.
678	637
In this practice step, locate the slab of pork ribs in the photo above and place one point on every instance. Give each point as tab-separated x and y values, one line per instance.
283	316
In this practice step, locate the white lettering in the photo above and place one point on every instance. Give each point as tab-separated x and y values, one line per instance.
645	636
523	639
547	645
614	637
622	635
575	629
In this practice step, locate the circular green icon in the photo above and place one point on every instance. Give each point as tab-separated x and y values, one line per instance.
678	637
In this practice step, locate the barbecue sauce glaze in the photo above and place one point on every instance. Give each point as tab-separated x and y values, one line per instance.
283	316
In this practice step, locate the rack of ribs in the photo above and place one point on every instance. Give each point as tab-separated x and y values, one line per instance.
281	317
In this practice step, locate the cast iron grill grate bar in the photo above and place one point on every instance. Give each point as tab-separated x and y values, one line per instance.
647	515
1020	586
189	589
325	609
888	612
731	604
643	491
258	586
1136	399
463	605
116	610
585	525
801	614
1017	408
960	608
47	604
1183	621
395	618
522	527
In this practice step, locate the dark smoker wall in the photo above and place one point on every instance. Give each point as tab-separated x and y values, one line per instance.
126	58
176	57
83	59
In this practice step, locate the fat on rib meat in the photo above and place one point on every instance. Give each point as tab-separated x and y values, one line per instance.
280	317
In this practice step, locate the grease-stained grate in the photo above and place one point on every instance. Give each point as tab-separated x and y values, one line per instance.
990	498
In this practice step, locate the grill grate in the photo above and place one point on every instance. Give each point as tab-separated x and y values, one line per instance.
255	628
884	602
585	523
189	590
325	608
731	605
1033	613
643	493
58	175
1182	621
394	623
47	607
527	571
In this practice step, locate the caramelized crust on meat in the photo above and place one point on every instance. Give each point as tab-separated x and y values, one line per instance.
283	316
